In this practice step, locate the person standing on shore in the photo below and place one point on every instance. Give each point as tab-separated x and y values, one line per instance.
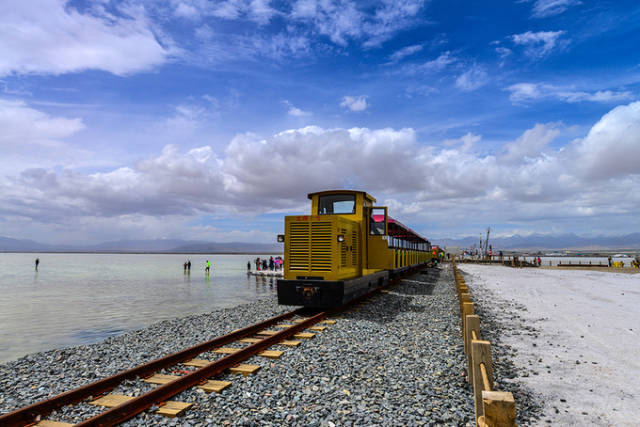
609	259
189	266
248	265
207	269
37	263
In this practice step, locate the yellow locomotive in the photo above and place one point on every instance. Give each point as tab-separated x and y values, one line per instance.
343	249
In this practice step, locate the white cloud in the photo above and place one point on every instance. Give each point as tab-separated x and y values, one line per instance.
28	127
52	37
355	103
433	66
530	144
538	44
474	78
612	147
343	20
545	8
535	178
524	91
404	52
258	11
521	92
294	111
503	52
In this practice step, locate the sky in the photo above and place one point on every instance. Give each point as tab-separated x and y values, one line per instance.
211	120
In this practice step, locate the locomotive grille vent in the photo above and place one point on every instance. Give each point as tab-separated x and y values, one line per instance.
343	249
354	252
321	246
299	246
310	246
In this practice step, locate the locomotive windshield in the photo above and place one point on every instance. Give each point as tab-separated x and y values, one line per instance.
337	204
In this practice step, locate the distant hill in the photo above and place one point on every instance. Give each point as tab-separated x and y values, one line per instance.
157	246
534	241
543	241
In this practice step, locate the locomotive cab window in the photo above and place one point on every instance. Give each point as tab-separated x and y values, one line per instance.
377	221
337	204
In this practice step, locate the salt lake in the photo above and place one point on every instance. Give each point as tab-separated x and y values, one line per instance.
83	298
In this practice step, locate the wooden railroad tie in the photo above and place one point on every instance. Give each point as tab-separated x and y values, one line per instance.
198	363
161	379
170	408
213	385
289	343
245	370
226	350
48	423
304	335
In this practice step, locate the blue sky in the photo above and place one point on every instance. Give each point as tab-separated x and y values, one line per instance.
210	120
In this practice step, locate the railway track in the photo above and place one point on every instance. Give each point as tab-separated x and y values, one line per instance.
259	338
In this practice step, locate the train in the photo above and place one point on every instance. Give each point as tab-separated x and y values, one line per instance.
343	249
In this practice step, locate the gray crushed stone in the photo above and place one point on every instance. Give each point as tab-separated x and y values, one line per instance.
399	360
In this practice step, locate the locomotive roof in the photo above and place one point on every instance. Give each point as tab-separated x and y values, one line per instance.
366	195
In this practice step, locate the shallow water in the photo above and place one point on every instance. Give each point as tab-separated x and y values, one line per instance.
83	298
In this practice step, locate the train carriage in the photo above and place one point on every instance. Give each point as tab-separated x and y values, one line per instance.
343	249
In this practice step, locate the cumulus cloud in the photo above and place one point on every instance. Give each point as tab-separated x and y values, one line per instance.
536	177
521	92
52	37
538	44
612	147
355	103
530	144
294	111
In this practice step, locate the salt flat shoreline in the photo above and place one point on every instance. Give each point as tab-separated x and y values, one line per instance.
570	337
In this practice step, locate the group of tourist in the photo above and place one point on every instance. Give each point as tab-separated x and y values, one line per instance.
273	264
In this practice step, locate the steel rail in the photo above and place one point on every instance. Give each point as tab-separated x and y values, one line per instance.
160	394
29	414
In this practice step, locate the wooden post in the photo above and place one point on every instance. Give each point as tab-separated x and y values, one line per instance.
480	354
499	408
472	324
464	297
467	309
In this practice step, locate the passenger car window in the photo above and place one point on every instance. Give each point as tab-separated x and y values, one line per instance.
337	204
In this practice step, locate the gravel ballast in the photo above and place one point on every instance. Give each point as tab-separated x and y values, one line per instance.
399	360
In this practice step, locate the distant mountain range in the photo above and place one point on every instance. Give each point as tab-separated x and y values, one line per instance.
543	241
534	241
158	246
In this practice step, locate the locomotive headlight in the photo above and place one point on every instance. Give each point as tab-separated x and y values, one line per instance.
281	238
341	238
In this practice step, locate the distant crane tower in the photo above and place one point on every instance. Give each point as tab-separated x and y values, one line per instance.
485	246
